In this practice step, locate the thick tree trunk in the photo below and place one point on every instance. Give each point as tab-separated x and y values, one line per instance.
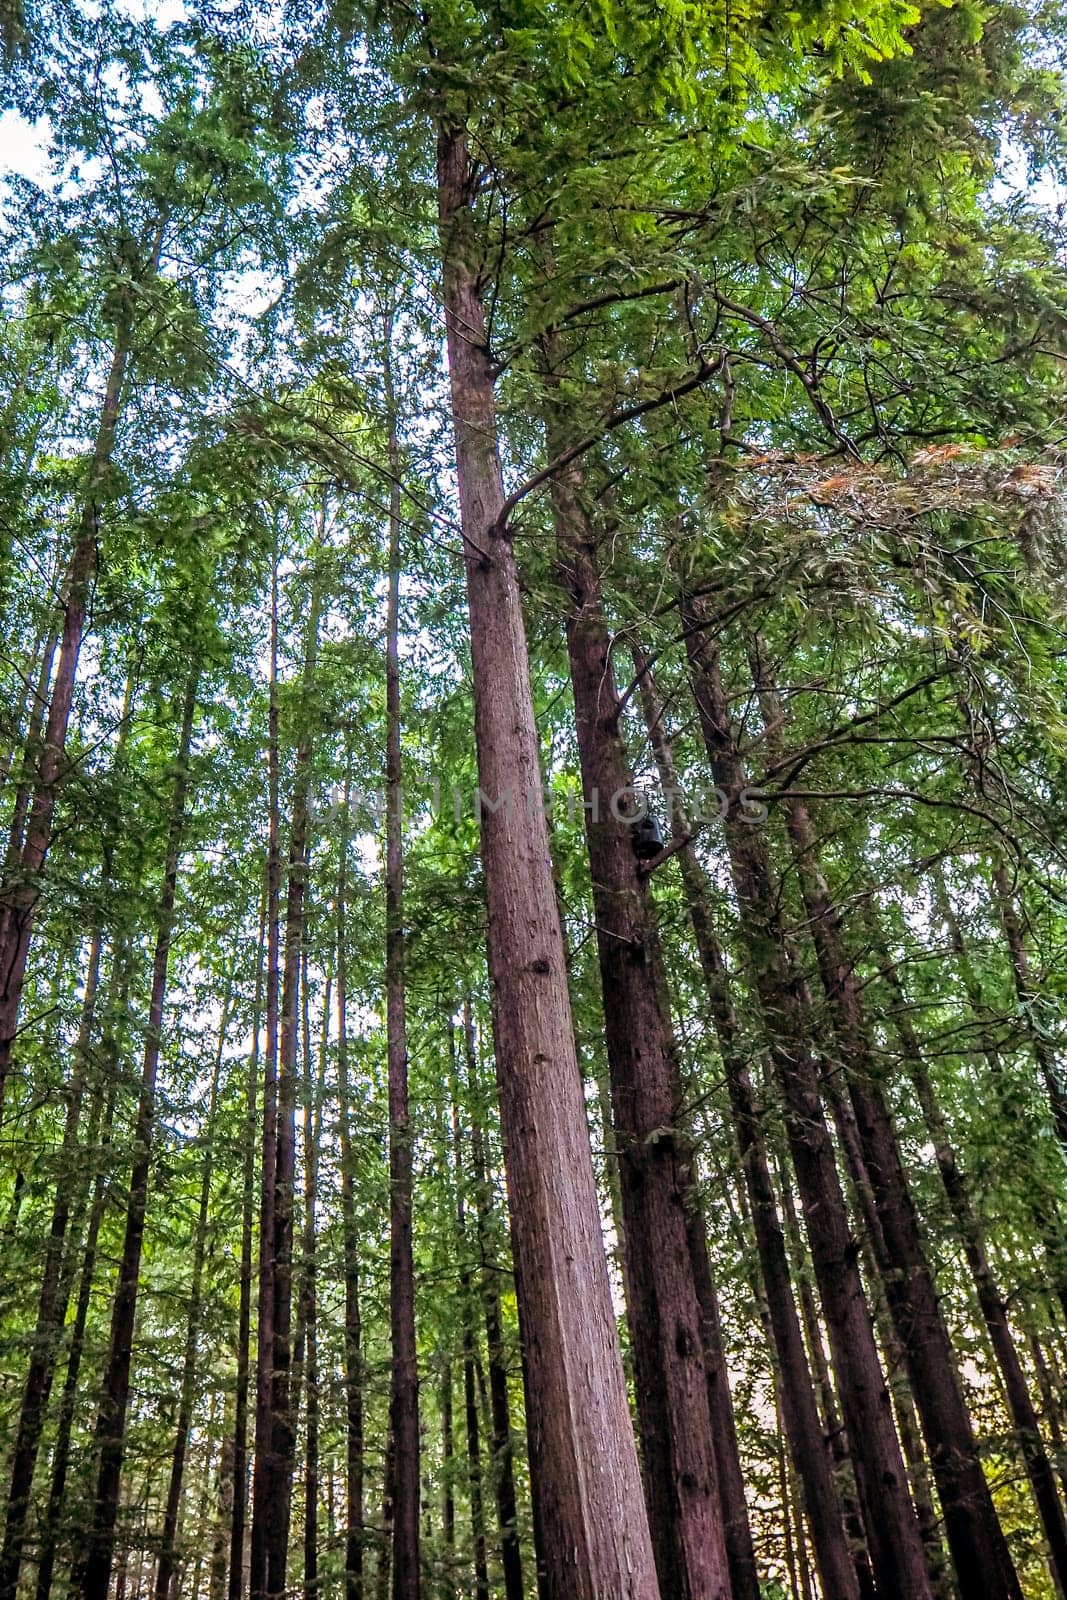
688	1495
94	1568
797	1396
590	1517
892	1530
404	1397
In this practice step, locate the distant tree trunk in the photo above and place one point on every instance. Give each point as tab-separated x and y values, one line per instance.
797	1396
271	1510
503	1445
590	1519
118	986
94	1568
976	1540
404	1400
238	1523
470	1397
701	1538
990	1301
168	1554
223	1522
52	1299
264	1468
313	1097
892	1530
1044	1054
353	1358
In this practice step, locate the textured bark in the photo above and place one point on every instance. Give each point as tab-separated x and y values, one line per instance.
93	1570
690	1503
589	1515
404	1395
892	1530
797	1396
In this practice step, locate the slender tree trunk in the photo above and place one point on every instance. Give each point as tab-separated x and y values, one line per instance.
503	1444
264	1468
589	1517
313	1097
980	1554
16	929
353	1358
223	1521
800	1414
94	1568
168	1554
238	1523
272	1509
470	1398
404	1399
990	1301
118	987
52	1299
1044	1054
892	1530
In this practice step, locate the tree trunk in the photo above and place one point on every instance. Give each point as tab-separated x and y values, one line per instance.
797	1396
16	928
690	1488
990	1301
1044	1054
271	1510
239	1522
980	1554
892	1530
353	1359
404	1398
590	1518
168	1555
470	1398
503	1445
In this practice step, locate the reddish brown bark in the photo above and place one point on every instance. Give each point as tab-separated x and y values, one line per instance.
590	1519
670	1327
800	1414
